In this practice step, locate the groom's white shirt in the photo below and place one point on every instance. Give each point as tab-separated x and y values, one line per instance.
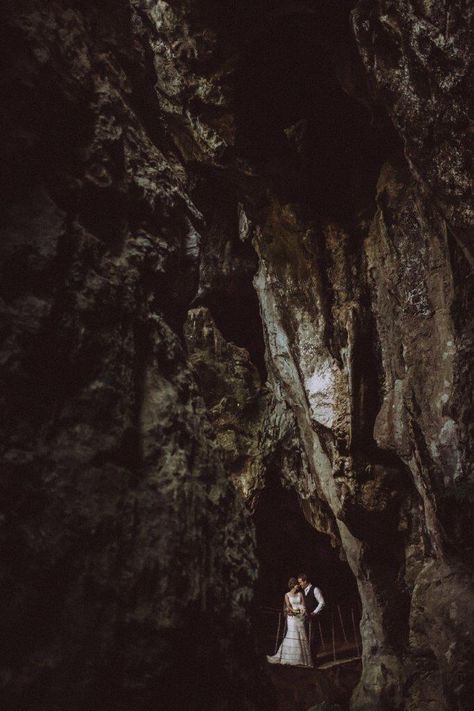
319	597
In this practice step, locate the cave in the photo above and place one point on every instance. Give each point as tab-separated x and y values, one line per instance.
236	297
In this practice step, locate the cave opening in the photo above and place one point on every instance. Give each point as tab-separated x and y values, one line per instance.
287	545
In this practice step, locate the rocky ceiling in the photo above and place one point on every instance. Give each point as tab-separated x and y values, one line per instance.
236	245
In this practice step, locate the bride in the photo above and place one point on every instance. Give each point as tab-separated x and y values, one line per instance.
294	649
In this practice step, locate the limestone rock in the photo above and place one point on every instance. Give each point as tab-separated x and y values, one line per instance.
237	244
128	557
231	388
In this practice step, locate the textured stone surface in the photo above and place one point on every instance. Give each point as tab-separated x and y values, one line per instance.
189	184
231	389
419	58
128	559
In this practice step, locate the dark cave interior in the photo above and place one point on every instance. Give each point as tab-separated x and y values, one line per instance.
304	117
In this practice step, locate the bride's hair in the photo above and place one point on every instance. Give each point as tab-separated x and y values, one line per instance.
291	583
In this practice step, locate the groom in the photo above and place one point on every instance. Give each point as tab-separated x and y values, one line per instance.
314	603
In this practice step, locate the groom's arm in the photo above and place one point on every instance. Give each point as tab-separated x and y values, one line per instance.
320	600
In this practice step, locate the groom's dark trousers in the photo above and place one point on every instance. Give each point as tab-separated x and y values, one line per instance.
312	630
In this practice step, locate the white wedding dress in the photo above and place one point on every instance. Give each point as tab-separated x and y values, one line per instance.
294	650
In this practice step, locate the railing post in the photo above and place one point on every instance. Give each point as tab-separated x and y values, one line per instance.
333	635
278	632
321	634
342	624
355	632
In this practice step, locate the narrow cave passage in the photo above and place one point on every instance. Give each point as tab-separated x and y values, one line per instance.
309	128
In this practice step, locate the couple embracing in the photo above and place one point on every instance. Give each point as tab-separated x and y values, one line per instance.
302	603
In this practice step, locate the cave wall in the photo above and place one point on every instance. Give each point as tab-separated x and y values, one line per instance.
366	335
237	240
122	534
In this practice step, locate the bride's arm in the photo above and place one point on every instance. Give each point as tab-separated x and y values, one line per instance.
288	608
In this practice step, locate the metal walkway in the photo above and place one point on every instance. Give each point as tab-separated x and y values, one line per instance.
336	629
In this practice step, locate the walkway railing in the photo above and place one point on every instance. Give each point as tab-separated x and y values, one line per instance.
336	629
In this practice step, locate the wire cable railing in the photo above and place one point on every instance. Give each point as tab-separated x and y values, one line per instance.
334	634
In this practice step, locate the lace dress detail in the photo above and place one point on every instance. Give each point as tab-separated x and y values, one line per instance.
294	650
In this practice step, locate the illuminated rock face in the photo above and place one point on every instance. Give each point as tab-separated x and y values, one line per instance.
237	239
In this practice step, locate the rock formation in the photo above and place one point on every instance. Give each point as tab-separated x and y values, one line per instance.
237	236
